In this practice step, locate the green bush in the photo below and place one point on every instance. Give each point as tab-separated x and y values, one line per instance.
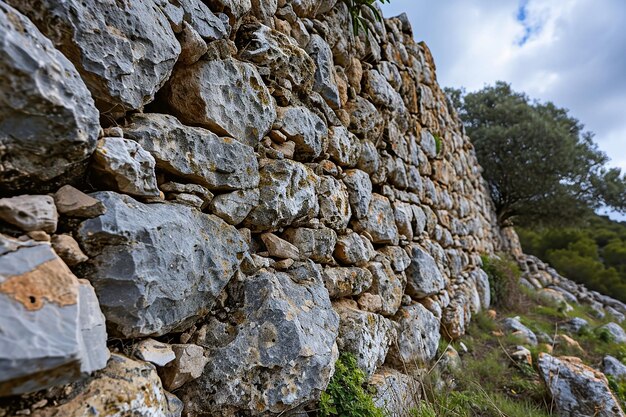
358	21
345	395
504	276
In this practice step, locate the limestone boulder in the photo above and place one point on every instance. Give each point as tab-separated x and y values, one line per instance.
365	120
40	92
577	389
616	332
333	197
157	267
30	212
305	128
188	364
316	244
279	357
388	285
613	367
424	277
74	203
379	221
209	26
195	154
124	59
418	337
353	249
324	82
397	394
360	191
346	281
202	95
52	327
515	327
343	146
287	196
233	207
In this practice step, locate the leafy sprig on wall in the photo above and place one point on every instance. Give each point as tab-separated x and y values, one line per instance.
358	21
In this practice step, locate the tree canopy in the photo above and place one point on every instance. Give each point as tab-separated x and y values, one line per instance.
539	162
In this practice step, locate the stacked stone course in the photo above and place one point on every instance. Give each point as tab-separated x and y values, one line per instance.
247	182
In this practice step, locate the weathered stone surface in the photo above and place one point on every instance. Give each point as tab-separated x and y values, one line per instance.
575	325
188	364
280	248
352	249
281	54
379	221
155	352
616	331
325	83
134	385
51	328
346	281
613	367
40	93
334	203
305	129
74	203
200	17
423	275
157	267
280	356
30	212
202	95
264	9
235	206
381	92
577	389
315	244
360	191
394	392
365	120
398	257
126	167
287	196
195	154
67	248
343	147
515	327
124	59
369	160
234	9
388	285
367	336
418	337
192	45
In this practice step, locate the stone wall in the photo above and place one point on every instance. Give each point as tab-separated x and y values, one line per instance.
216	198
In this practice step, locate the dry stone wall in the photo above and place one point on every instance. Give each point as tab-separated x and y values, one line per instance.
216	198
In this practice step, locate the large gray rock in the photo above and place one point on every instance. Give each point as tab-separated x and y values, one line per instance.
305	128
52	329
388	285
613	367
334	203
195	154
343	146
360	191
577	389
352	249
157	267
30	212
344	282
124	387
201	18
124	59
514	326
40	92
235	206
381	92
124	166
325	83
418	337
278	357
423	275
616	332
367	336
379	222
279	53
287	196
365	119
316	244
397	394
202	94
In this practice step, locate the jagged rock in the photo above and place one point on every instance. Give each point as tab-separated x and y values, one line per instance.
522	355
388	285
197	190
515	327
134	386
157	267
155	352
125	166
192	45
394	392
52	327
325	83
346	281
575	325
195	154
360	191
343	147
30	212
280	248
481	283
264	9
418	337
271	49
304	128
619	317
613	367
423	275
398	257
124	59
577	389
267	363
67	248
234	207
379	222
287	196
365	119
334	203
74	203
316	244
202	95
352	249
200	17
188	364
234	9
32	106
617	333
381	92
369	160
367	336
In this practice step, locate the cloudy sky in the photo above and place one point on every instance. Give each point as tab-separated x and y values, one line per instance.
571	52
